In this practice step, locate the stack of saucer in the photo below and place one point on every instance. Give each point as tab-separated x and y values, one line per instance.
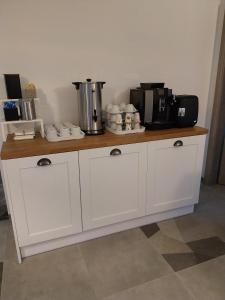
23	131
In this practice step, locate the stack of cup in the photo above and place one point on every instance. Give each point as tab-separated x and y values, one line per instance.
116	118
137	121
129	116
108	109
128	121
122	117
51	132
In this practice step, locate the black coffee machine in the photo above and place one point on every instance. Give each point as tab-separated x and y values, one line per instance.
156	105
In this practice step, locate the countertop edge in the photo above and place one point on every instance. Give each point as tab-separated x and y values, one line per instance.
21	149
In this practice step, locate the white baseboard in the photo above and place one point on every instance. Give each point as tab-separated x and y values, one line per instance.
91	234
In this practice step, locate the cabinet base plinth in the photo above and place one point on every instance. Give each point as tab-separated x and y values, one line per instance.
102	231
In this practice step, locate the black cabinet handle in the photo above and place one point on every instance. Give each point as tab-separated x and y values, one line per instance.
44	162
178	143
115	152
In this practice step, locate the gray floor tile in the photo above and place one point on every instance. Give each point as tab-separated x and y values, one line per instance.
180	261
211	247
120	261
207	280
56	275
166	288
150	230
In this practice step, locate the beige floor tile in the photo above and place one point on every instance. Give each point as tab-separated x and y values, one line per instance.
197	226
56	275
170	229
165	245
120	261
207	280
165	288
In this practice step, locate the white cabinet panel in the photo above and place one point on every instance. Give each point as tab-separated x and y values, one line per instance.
113	186
174	173
46	199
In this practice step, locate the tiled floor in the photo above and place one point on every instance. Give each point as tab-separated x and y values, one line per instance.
182	258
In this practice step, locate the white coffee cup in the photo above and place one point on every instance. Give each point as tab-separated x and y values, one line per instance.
119	119
113	118
137	126
119	127
76	131
115	109
128	118
128	126
130	108
137	117
51	132
63	130
113	126
122	106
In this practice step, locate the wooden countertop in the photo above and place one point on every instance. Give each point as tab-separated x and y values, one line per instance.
15	149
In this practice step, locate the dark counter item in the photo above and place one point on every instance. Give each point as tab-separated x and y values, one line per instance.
155	104
11	114
10	111
187	110
13	87
152	85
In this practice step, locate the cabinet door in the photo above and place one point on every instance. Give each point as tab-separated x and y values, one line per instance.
174	173
45	199
112	184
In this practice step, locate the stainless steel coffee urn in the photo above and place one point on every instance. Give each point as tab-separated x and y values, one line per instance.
90	106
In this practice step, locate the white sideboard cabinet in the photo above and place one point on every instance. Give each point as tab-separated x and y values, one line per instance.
113	184
99	185
174	173
45	196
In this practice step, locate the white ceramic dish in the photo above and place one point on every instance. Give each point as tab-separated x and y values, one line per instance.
62	138
63	132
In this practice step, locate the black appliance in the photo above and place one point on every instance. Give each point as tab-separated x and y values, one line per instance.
187	110
155	104
13	90
13	87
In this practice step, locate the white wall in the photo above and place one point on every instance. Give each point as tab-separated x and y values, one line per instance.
123	42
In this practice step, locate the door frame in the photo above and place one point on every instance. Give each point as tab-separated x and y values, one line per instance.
216	136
